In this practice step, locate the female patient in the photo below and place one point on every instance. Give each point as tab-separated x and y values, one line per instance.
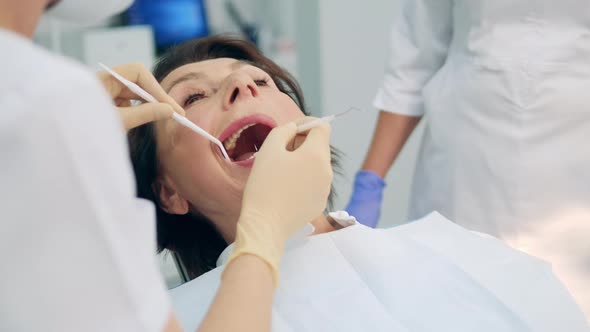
198	193
347	280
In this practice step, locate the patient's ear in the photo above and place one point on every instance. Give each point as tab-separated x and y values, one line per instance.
170	199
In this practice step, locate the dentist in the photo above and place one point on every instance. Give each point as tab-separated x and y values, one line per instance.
76	245
502	88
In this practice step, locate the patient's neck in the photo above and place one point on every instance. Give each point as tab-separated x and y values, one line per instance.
322	225
21	17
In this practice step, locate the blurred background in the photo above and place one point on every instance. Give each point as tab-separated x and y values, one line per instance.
336	49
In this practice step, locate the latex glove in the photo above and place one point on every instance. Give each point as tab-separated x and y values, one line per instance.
134	116
285	190
300	138
367	194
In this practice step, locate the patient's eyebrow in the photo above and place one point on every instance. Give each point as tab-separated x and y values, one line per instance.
238	64
186	77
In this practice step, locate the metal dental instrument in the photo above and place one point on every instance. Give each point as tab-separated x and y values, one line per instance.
179	118
309	125
326	119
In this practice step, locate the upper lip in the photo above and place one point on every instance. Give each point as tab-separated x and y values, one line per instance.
247	120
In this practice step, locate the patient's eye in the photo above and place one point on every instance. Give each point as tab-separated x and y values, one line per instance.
193	98
261	82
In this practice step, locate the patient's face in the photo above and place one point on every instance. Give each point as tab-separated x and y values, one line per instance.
235	102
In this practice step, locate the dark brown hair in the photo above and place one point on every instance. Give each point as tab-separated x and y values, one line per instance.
193	236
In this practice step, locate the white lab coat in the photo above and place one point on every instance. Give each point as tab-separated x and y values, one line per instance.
428	275
505	88
76	246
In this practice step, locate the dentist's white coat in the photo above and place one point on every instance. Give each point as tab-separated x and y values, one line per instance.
76	245
505	87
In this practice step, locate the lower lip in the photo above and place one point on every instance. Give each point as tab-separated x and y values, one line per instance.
245	163
242	163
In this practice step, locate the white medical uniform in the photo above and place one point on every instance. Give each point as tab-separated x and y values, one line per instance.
428	275
504	86
76	246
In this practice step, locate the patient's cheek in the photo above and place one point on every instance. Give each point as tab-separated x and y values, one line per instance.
166	135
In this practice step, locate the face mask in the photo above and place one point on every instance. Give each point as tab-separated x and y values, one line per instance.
87	11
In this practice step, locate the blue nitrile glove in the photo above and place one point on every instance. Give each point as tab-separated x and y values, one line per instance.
367	194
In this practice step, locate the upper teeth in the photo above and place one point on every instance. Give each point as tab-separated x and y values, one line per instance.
230	142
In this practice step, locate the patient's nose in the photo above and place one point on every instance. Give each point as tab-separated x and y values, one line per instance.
239	88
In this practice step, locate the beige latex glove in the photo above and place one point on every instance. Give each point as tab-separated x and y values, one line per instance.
300	138
134	116
285	190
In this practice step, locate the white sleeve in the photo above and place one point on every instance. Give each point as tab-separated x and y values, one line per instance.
420	38
77	247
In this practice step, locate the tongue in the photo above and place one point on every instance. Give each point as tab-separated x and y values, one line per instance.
244	156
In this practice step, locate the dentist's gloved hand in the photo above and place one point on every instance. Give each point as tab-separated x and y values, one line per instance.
285	190
134	116
367	195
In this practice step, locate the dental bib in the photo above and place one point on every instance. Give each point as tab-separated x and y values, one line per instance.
428	275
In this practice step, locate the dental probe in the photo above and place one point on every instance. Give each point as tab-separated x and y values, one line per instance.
309	125
326	119
179	118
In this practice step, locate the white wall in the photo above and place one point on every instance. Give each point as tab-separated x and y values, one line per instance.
342	47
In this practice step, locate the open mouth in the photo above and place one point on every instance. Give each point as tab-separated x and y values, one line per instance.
245	142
